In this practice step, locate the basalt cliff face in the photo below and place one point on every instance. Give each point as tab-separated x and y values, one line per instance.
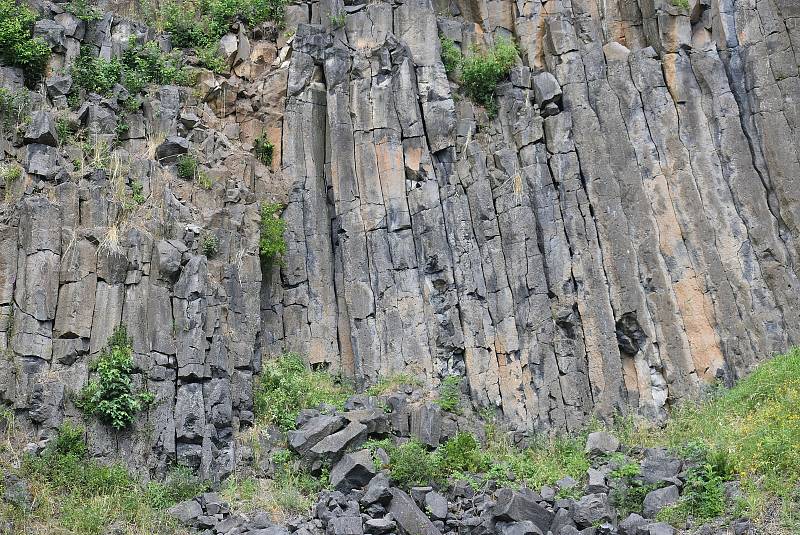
624	230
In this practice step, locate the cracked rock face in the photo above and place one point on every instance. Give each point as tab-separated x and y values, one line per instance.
620	233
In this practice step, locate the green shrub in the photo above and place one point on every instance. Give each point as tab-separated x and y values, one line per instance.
264	149
286	386
412	465
461	453
208	56
138	66
272	243
480	73
450	394
210	245
451	55
684	4
703	494
95	74
85	10
18	47
187	167
147	64
202	24
111	397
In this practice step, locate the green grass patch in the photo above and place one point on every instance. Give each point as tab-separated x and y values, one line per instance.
289	493
286	386
72	493
753	428
463	457
750	432
393	382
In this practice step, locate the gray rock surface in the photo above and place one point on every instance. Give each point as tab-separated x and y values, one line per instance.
622	232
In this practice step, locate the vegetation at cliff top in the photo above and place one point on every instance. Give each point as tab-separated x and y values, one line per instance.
201	24
67	492
111	396
18	47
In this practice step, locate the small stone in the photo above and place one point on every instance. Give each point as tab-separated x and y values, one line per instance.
601	443
658	499
436	505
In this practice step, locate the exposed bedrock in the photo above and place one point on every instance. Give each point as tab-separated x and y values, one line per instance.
622	232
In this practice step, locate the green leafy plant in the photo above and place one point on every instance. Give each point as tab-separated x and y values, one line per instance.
683	4
137	192
450	394
18	47
626	471
481	72
338	20
95	74
187	167
272	243
264	149
111	396
286	386
451	55
85	10
210	245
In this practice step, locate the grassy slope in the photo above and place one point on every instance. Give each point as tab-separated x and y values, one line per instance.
751	432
